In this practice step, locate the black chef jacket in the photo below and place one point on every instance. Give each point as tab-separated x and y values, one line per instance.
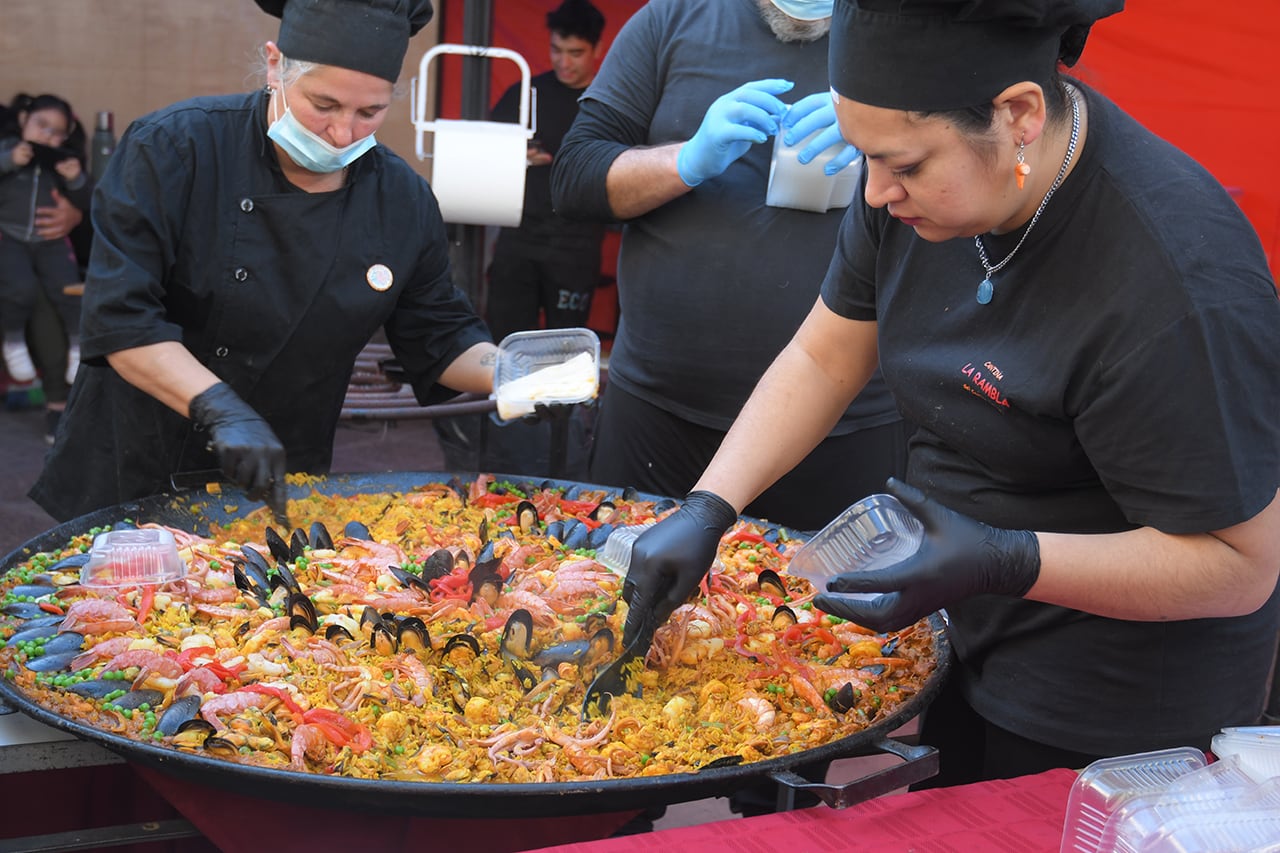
200	239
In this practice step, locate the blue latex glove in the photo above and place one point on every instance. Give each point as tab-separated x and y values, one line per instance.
957	559
808	115
733	123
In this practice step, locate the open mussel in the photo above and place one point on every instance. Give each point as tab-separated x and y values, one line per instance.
337	633
302	612
72	563
412	635
276	545
603	510
664	505
526	516
783	618
193	733
299	542
250	580
486	583
319	537
456	686
770	583
408	579
283	578
845	699
517	636
462	641
458	489
383	638
180	711
575	534
220	746
439	564
255	558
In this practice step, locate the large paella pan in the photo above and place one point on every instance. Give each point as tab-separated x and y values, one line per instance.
421	644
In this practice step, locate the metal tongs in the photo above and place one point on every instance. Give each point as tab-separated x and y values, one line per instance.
623	675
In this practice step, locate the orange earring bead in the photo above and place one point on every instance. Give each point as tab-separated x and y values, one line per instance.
1020	172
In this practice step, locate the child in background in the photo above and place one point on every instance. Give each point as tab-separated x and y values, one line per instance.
41	150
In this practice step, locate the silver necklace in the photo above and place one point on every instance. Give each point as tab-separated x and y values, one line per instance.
986	287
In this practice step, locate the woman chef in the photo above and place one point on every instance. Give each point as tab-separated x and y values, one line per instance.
246	248
1082	325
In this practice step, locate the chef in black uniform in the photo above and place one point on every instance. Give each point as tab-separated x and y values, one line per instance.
246	248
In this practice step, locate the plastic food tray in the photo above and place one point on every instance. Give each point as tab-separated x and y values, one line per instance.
876	532
133	558
1257	748
616	553
1107	784
550	366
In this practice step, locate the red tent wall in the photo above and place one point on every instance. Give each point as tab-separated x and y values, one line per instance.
1203	76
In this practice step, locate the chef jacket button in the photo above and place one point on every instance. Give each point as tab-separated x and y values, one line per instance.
246	204
241	274
221	352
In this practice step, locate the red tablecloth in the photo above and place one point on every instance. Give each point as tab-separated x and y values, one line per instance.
1024	815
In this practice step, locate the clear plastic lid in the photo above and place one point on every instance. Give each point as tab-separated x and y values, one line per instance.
1144	822
546	366
1255	747
876	532
1233	831
616	553
133	557
1106	784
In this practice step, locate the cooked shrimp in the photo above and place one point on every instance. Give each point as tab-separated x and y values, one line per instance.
97	616
308	742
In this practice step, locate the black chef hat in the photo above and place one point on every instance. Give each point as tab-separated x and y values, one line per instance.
949	54
362	35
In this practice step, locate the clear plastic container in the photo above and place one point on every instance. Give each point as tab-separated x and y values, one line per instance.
1155	822
805	186
1257	748
616	553
547	366
133	558
1234	831
876	532
1107	784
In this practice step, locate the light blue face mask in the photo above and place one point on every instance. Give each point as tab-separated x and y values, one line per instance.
805	10
310	151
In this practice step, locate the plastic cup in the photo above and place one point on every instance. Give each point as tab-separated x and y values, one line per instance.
874	533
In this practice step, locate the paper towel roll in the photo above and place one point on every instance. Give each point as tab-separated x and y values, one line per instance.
478	170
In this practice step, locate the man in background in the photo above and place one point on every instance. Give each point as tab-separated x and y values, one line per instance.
549	264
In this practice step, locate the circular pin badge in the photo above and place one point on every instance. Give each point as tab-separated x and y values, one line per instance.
379	277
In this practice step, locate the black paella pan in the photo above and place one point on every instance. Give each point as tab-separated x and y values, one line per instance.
196	511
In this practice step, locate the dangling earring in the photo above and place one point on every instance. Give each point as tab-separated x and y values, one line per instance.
1021	170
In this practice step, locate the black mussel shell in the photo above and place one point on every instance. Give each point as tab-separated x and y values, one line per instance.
249	580
517	636
571	492
302	612
383	639
335	633
845	699
555	529
255	557
196	724
631	493
220	746
487	588
771	584
67	564
527	679
463	559
594	622
458	488
412	635
34	590
547	486
370	618
52	663
458	641
603	508
23	610
319	537
242	629
485	555
459	689
94	689
276	545
298	544
408	579
575	534
601	644
506	533
664	505
439	564
771	535
890	645
179	712
136	698
597	537
722	761
570	651
483	531
783	618
357	530
529	488
35	632
69	641
42	620
285	579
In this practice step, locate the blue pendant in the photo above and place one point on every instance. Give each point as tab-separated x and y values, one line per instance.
985	291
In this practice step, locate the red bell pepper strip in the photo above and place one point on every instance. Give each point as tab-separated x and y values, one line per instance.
146	598
279	693
577	507
50	607
340	730
490	499
187	657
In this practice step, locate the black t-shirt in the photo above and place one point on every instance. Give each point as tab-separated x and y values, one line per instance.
1125	374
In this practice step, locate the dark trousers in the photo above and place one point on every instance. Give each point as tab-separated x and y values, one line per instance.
526	277
28	268
638	444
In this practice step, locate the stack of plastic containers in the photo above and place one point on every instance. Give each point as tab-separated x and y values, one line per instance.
1171	801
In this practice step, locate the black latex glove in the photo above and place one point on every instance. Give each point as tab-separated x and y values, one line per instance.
549	411
250	454
957	559
669	560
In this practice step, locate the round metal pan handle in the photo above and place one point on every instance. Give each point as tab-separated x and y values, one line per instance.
919	763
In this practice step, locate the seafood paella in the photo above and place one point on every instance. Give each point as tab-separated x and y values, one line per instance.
449	633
